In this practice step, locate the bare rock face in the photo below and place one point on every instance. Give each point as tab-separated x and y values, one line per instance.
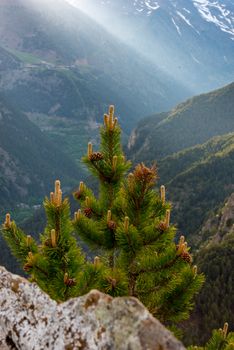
221	226
30	320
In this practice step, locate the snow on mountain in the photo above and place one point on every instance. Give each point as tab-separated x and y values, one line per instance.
220	13
190	39
146	5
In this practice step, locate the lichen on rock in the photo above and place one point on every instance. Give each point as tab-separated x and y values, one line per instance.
30	320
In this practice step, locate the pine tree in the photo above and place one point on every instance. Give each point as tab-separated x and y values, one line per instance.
57	264
130	223
220	340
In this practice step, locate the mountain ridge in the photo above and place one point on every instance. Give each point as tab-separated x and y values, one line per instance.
192	122
192	40
82	48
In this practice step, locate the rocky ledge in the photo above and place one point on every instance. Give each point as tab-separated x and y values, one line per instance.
30	320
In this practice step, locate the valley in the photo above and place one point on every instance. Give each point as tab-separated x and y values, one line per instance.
168	67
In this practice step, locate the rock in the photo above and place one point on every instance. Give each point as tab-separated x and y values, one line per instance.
30	320
219	227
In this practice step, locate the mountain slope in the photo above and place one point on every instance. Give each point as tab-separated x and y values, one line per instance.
29	162
214	304
62	50
219	226
198	180
190	123
190	39
181	162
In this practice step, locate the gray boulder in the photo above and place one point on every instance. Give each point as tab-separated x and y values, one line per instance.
30	320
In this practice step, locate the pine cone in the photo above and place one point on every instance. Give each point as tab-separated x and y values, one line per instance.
112	225
70	282
78	194
112	282
162	226
27	267
88	212
186	257
48	242
96	156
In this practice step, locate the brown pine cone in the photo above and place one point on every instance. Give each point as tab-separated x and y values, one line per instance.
96	156
111	225
186	257
70	282
112	281
88	212
162	226
48	242
78	194
27	267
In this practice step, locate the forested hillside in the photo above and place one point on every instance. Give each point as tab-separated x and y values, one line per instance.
214	304
188	124
198	180
29	162
193	146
